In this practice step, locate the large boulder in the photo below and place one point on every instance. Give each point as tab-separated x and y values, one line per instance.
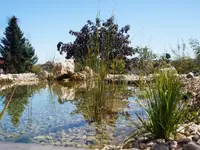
86	74
43	75
63	70
48	66
190	75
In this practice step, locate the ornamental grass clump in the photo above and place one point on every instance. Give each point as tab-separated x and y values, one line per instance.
165	109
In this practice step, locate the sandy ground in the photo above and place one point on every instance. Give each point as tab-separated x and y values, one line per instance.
21	146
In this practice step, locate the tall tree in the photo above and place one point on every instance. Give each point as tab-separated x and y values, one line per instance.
16	49
106	37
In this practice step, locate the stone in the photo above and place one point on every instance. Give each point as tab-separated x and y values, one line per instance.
187	133
62	70
132	143
23	77
184	141
195	138
89	72
160	141
179	136
173	144
191	146
78	77
42	138
150	144
190	75
160	147
43	75
143	145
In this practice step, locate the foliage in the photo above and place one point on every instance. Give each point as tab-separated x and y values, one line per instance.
19	101
16	49
195	45
118	66
165	110
36	69
105	36
184	65
182	62
143	63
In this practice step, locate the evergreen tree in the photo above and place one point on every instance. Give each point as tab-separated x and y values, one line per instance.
16	49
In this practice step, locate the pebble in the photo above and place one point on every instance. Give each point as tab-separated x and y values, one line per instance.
160	147
191	146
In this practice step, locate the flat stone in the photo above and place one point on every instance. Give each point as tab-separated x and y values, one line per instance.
160	147
184	141
191	146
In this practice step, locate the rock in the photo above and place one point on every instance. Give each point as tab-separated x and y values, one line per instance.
150	144
173	144
78	77
42	138
89	71
43	75
86	74
195	138
132	143
191	146
23	77
198	142
48	66
190	75
184	142
143	145
62	70
179	136
160	147
160	141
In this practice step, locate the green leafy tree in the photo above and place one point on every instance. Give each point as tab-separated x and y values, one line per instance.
16	49
195	45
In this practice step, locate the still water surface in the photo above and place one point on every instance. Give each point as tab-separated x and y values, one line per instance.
67	115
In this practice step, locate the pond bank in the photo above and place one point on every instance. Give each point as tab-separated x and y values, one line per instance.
20	146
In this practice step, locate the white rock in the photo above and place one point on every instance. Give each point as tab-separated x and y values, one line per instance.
190	75
63	68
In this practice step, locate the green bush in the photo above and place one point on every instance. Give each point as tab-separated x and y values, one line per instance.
36	69
118	66
165	110
184	65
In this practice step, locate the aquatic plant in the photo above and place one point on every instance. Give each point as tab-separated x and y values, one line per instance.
165	109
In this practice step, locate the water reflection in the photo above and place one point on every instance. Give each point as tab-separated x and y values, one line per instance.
18	101
65	114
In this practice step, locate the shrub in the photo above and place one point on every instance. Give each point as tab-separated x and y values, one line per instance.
118	65
36	69
165	110
184	65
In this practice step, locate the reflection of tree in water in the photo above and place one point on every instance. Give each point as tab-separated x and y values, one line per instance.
19	100
101	106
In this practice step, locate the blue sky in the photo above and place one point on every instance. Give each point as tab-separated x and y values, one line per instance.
154	23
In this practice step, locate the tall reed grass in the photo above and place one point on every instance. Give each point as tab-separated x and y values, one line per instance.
165	109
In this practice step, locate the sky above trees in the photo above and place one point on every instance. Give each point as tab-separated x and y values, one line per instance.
156	24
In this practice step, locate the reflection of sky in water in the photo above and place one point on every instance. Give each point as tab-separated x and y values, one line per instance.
44	115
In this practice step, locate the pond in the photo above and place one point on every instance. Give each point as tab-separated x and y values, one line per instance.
71	115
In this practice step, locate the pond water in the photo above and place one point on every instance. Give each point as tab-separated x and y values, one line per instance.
71	115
